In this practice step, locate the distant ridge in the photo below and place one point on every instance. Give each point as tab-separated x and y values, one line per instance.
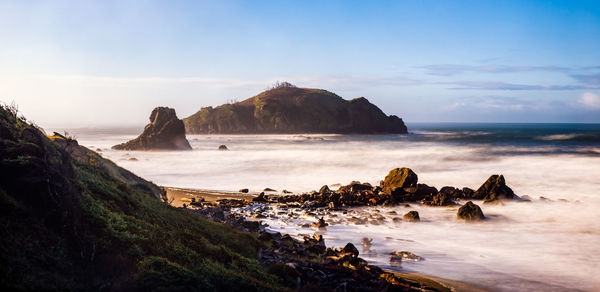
287	109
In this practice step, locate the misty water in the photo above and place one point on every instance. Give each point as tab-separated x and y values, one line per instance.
550	244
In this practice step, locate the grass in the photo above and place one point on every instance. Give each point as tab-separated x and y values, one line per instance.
69	224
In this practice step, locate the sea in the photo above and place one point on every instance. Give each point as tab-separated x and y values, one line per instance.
551	243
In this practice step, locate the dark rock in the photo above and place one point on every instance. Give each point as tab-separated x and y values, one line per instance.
412	216
470	212
165	132
223	148
452	192
441	199
467	193
269	190
351	249
399	178
289	109
366	243
324	190
494	188
418	193
320	224
406	256
243	191
260	198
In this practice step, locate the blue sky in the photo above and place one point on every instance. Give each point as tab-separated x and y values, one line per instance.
107	63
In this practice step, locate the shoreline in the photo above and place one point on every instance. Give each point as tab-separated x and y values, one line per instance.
179	196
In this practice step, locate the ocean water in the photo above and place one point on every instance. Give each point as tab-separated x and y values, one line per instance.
542	245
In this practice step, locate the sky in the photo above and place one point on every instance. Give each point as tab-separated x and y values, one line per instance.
109	63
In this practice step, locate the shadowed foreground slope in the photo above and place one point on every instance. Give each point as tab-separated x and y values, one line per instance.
68	222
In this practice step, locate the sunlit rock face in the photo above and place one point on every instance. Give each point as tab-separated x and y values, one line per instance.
165	132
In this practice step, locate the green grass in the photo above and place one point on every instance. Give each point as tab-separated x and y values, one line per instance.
68	224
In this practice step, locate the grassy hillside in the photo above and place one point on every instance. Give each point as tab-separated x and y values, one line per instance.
70	219
289	109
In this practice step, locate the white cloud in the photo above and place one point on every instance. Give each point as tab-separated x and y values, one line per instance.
590	100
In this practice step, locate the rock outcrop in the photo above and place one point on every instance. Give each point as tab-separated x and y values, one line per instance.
286	109
165	132
399	178
493	189
470	212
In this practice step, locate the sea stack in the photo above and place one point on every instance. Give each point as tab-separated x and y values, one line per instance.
287	109
164	132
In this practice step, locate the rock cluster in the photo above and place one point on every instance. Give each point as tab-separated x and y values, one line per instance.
311	265
399	186
164	132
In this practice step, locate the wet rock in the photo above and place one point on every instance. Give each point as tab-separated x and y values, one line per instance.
245	191
494	188
320	224
366	243
418	193
405	256
351	249
164	132
470	212
395	260
260	198
355	187
412	216
441	199
399	178
467	193
223	148
324	190
452	192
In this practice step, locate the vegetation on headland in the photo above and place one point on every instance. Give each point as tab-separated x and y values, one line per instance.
285	108
69	223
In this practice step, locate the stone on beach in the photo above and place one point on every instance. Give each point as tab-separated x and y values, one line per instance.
470	212
412	216
494	188
399	178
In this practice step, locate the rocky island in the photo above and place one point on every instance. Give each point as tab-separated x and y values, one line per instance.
164	132
287	109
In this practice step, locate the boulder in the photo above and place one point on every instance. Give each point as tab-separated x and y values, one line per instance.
494	188
405	256
467	193
223	148
412	216
452	192
260	198
351	249
165	132
324	190
245	191
399	178
320	224
470	212
441	199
